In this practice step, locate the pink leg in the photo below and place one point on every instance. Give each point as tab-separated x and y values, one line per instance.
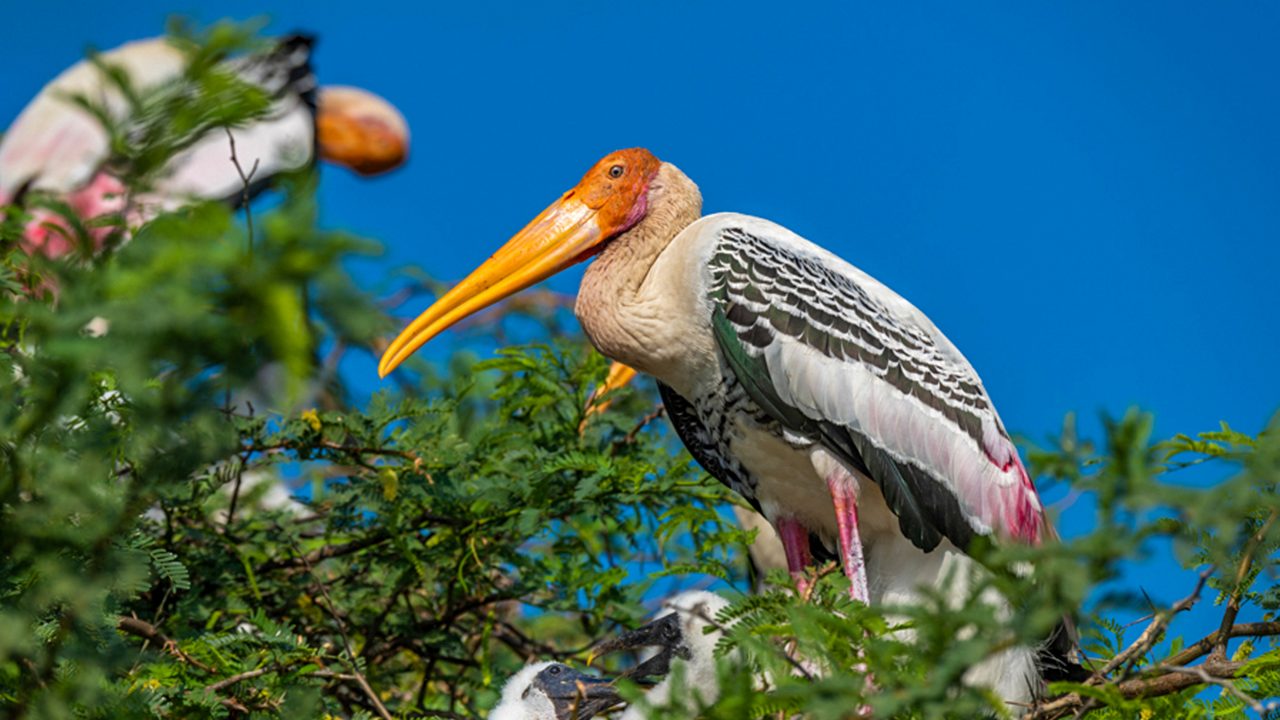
855	569
795	543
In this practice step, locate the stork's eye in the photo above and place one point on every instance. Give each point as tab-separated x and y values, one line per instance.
554	669
616	171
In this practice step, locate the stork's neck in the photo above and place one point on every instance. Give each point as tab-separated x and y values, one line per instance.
617	295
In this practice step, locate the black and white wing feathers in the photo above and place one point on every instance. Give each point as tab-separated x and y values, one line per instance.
835	356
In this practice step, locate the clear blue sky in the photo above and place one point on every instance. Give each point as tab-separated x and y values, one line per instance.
1084	197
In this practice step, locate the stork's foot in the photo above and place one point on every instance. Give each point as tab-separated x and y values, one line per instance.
846	504
795	543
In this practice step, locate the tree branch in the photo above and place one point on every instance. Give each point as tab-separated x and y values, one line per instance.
1238	588
148	632
1205	645
375	538
1151	635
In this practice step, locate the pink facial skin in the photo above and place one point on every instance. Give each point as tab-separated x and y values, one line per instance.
49	234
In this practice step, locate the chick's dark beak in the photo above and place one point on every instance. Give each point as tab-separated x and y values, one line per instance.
577	696
663	634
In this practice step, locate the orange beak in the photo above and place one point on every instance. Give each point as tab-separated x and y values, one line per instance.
619	376
360	131
565	233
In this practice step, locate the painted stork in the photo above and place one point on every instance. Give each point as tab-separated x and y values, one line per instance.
55	146
553	691
827	400
681	642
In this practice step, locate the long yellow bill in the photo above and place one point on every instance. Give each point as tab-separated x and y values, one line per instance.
560	236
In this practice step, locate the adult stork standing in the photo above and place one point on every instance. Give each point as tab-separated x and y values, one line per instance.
57	147
828	401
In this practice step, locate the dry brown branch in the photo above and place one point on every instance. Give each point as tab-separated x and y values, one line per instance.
1151	635
1202	647
630	437
1168	679
1229	686
148	632
1164	678
239	677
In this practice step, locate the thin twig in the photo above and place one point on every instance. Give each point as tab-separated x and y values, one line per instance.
806	594
238	677
235	494
360	679
347	449
1199	672
370	540
244	180
1154	631
631	435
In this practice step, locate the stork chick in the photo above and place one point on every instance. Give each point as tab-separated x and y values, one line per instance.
553	691
681	642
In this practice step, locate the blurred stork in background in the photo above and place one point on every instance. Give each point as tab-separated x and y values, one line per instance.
57	147
59	154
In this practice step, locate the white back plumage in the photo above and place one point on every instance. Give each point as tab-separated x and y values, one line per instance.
55	145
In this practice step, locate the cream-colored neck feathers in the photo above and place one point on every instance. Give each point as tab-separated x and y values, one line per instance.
616	295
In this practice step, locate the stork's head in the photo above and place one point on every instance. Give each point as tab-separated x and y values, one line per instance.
553	691
360	131
610	199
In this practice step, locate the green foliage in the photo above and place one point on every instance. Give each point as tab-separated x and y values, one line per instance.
459	524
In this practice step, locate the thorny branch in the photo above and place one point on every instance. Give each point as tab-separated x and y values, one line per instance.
1239	586
630	437
1152	634
1174	674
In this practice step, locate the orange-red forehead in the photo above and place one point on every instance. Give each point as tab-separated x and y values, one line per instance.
599	187
639	160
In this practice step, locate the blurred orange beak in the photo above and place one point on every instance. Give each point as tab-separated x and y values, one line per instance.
565	233
360	131
619	376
